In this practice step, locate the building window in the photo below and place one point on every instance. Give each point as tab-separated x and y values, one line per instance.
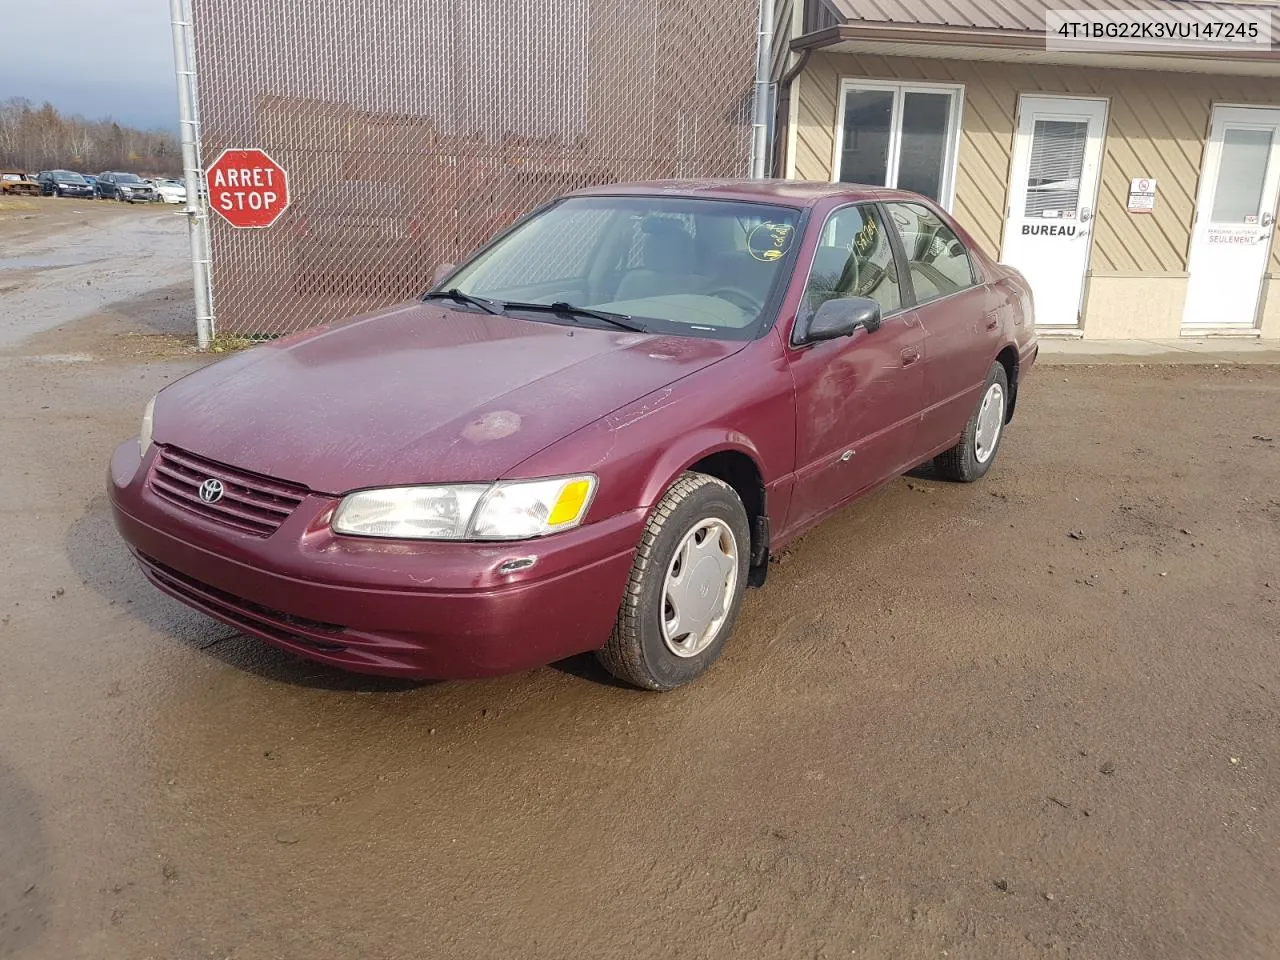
903	135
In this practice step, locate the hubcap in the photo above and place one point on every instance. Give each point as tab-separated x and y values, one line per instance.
699	587
990	423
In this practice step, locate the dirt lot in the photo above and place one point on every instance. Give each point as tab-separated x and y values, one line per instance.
1033	717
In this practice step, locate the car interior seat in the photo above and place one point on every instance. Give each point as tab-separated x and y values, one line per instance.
829	270
666	262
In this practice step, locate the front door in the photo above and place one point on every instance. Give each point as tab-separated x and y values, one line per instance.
1053	189
858	398
1235	216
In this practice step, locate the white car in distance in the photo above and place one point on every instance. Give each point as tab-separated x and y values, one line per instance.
170	191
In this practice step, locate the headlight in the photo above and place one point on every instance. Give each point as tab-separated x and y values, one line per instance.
144	432
419	513
514	510
533	508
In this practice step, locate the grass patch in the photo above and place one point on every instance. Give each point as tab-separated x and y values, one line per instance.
233	342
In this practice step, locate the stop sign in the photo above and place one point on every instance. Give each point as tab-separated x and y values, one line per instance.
248	188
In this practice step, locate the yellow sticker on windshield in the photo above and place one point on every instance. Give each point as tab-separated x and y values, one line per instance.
770	241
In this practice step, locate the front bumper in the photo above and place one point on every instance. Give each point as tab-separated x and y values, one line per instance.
396	608
74	191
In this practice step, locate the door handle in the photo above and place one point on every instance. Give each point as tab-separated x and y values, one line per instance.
909	356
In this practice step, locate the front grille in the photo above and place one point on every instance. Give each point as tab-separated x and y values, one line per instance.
245	614
250	503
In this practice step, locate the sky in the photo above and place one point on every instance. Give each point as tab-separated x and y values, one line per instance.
97	58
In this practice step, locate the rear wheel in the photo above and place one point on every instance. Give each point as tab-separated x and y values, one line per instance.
972	457
686	586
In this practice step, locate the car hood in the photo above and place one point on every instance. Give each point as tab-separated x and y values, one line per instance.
416	394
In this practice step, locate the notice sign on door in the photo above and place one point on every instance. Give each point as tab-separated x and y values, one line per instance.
1142	195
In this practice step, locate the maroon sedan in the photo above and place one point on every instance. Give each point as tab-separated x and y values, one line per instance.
589	437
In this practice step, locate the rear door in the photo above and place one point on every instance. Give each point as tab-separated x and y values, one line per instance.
857	398
960	316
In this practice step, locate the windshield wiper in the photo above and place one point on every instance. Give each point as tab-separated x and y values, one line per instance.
620	320
457	296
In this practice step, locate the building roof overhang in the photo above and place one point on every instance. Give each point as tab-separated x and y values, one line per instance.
953	42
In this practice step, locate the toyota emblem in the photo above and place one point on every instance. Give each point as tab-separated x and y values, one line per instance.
211	491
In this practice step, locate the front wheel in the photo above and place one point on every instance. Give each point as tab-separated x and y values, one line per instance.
686	586
971	458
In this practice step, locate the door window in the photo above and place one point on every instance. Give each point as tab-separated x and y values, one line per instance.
1057	161
1242	171
899	135
938	260
854	259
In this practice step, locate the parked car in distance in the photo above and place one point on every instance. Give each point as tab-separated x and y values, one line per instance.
93	182
63	183
15	183
125	186
591	436
169	191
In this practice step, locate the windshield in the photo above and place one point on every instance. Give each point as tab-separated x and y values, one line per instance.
126	178
67	176
680	265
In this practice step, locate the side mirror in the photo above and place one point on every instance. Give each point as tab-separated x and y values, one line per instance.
442	270
840	318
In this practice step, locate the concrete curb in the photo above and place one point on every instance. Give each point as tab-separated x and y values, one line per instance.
1227	351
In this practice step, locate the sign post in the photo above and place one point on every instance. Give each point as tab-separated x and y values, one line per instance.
247	188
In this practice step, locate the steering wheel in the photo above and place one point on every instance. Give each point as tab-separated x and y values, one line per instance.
738	297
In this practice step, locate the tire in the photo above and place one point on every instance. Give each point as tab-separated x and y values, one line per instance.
642	650
971	458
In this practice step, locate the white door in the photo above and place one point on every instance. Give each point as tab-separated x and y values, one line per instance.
1235	215
1053	190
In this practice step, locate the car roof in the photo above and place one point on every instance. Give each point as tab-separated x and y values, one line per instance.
794	193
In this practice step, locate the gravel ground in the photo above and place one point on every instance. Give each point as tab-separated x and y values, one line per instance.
1032	717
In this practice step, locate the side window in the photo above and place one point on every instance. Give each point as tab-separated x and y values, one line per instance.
938	261
854	259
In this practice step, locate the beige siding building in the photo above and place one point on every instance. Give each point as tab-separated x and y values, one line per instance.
1136	188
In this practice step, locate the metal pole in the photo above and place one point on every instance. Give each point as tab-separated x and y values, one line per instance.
761	114
196	211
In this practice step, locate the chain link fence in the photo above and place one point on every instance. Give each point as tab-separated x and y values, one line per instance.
413	130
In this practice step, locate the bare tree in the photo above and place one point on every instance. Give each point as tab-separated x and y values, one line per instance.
40	138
